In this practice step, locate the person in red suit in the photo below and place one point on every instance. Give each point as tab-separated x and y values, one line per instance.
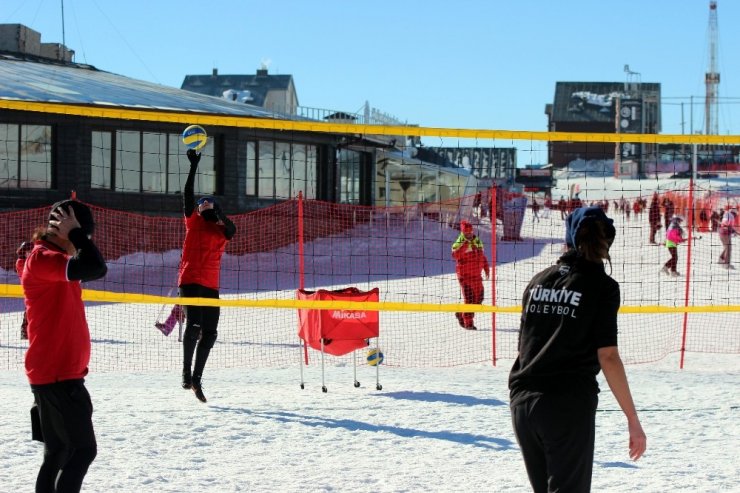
207	229
467	250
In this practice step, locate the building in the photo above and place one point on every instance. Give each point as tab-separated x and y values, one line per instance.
594	107
60	132
271	92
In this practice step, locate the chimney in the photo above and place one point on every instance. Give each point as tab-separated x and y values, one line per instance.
261	72
215	72
56	51
18	38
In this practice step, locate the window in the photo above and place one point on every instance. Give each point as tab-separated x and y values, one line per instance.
25	156
266	170
149	162
279	170
349	177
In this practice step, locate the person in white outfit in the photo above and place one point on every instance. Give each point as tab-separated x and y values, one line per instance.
726	231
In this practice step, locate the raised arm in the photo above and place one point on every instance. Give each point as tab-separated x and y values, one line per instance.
188	193
88	263
611	365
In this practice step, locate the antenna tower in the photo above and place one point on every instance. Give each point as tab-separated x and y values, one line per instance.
711	78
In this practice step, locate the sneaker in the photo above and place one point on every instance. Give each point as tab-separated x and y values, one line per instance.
665	270
675	274
187	380
198	389
472	327
163	328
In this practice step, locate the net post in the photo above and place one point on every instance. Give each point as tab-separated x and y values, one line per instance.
301	267
492	216
690	227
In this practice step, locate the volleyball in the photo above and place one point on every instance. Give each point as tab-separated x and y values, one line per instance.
194	137
375	357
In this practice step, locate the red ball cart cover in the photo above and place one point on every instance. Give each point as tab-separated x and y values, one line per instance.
343	331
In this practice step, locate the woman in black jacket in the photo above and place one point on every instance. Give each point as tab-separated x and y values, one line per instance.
568	333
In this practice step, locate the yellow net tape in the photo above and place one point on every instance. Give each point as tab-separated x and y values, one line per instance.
16	291
347	128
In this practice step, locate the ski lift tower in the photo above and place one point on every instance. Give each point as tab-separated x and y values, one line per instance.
711	78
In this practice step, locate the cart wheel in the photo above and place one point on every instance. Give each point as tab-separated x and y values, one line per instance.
357	384
303	386
379	387
323	388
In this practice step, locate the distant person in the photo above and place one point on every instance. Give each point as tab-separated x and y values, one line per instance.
567	334
548	207
59	344
668	211
716	220
726	232
674	237
207	229
562	207
654	218
467	250
636	208
535	210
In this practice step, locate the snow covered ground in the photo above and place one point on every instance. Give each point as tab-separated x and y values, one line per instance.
428	429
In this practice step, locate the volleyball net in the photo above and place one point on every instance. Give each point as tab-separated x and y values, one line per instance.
404	251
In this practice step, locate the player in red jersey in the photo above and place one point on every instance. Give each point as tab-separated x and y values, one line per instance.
207	230
59	344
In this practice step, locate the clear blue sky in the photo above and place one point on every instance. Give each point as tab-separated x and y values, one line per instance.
474	64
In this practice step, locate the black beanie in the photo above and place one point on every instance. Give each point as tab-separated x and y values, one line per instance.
82	213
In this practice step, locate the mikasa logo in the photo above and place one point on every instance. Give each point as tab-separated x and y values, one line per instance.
344	314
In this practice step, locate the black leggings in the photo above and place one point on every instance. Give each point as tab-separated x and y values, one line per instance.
556	435
65	412
673	261
201	321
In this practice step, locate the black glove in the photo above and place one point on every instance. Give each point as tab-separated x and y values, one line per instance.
217	209
23	250
193	157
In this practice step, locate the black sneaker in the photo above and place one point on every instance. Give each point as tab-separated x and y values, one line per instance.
187	381
198	389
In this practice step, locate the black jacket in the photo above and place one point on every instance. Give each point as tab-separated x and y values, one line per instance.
569	311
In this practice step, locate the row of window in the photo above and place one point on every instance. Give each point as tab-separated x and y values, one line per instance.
151	162
281	169
130	161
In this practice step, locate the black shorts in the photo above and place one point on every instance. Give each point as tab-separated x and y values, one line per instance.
65	413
